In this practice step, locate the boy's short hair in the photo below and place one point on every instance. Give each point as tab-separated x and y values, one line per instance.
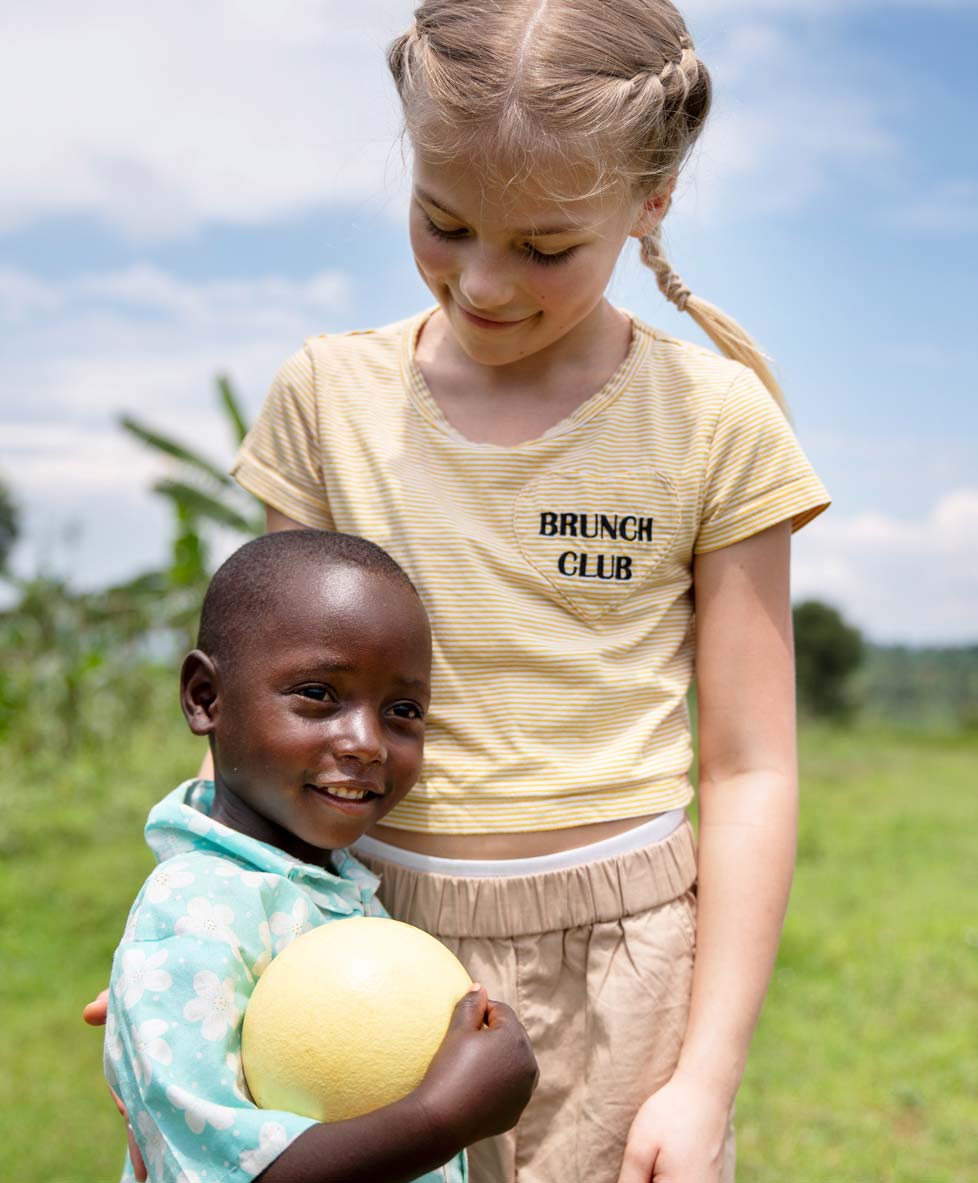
249	584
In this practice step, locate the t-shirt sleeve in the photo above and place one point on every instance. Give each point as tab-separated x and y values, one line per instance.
279	460
757	474
181	979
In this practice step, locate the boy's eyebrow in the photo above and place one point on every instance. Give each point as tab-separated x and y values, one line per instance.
328	666
536	232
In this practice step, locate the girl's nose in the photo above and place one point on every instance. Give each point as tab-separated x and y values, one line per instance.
360	736
484	284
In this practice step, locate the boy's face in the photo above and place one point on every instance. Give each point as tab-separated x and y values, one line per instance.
319	725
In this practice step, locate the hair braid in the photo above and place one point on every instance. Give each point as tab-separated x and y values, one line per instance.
723	330
530	85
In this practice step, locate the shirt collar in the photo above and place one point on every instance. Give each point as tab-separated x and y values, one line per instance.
182	822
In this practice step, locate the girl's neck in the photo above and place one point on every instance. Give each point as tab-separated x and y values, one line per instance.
509	404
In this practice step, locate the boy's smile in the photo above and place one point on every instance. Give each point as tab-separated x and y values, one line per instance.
317	722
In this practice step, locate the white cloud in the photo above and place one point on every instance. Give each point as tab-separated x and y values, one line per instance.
898	579
142	341
161	119
951	207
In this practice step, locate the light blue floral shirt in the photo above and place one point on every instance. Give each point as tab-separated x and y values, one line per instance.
208	920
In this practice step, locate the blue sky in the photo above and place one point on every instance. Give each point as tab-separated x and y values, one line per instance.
196	187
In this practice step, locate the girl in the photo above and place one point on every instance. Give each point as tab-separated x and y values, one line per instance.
564	484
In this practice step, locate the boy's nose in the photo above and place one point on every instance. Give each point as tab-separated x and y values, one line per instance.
359	735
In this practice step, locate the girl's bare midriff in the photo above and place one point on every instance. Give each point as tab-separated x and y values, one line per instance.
502	846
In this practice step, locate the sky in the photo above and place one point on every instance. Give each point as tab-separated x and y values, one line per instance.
193	188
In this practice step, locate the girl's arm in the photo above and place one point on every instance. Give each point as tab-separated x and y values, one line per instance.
748	816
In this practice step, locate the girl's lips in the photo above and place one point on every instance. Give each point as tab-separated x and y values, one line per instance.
483	323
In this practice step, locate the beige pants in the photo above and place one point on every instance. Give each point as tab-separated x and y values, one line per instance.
597	961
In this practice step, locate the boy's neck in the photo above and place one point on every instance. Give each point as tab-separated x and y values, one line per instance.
230	810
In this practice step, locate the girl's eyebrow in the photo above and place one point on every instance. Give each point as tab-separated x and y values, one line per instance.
537	232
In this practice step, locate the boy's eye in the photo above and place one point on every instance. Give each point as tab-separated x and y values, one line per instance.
316	693
407	710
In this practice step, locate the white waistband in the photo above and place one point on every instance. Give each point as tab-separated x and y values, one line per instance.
654	830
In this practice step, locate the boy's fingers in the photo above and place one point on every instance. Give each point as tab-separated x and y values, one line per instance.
470	1010
498	1014
94	1013
135	1154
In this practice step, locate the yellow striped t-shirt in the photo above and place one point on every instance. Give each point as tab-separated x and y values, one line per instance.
557	572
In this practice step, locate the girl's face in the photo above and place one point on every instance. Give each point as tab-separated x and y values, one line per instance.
514	270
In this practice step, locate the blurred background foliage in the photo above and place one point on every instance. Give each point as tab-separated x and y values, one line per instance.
880	947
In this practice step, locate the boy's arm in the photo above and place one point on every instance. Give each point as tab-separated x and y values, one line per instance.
477	1085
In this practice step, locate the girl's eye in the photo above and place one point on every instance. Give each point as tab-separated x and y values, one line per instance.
316	693
548	260
530	251
447	235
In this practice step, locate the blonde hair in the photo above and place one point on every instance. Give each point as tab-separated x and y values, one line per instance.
615	88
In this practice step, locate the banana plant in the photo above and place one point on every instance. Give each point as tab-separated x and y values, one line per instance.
199	489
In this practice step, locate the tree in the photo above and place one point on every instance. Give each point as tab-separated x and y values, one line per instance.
203	497
9	525
828	651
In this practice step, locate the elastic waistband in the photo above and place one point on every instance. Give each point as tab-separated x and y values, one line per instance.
593	892
654	830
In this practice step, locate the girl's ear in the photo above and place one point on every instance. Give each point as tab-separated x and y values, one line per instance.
199	692
654	209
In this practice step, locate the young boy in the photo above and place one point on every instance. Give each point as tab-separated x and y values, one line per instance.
311	682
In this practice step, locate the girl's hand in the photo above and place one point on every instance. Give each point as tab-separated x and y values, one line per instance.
94	1014
483	1074
677	1137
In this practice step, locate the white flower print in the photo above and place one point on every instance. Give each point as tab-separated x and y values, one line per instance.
188	1177
141	973
151	1144
163	881
207	920
214	1005
198	1112
238	1085
256	879
149	1044
272	1141
199	822
265	936
167	846
286	926
113	1044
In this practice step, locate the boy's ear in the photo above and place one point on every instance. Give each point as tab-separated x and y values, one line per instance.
199	692
654	209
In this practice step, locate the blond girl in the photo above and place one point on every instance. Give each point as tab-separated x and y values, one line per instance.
565	484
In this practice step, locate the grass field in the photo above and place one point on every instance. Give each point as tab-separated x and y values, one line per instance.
865	1064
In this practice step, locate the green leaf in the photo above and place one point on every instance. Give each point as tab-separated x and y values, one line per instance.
232	407
171	447
202	505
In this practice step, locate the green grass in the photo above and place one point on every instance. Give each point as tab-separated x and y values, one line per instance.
864	1068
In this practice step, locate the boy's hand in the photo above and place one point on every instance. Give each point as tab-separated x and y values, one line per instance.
94	1014
483	1074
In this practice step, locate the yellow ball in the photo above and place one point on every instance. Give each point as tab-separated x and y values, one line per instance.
348	1017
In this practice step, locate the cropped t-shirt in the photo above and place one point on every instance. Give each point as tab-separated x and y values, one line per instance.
557	573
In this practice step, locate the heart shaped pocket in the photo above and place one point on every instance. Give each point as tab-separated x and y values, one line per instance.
596	535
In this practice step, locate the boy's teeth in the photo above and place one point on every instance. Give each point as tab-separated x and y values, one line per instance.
353	794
